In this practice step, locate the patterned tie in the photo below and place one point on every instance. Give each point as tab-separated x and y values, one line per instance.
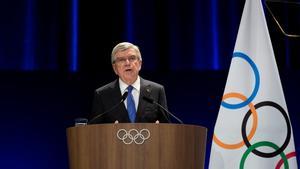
130	105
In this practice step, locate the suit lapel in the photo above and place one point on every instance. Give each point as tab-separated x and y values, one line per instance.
145	91
117	95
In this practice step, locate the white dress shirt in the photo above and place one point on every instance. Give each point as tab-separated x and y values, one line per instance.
135	91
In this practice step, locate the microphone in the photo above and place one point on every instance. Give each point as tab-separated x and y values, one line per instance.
152	101
124	96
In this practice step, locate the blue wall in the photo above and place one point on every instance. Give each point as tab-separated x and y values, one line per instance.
76	36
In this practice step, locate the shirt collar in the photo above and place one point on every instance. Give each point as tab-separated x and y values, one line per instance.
136	85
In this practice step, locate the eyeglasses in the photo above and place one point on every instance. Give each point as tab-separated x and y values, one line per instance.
123	60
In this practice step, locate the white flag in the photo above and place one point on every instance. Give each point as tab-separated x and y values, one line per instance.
253	130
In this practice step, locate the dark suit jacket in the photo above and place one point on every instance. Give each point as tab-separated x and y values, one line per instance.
109	95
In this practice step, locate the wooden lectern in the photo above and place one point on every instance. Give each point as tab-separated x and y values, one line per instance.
136	146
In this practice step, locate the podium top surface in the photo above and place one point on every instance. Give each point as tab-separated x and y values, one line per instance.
137	125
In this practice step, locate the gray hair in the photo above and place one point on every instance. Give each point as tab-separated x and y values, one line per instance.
124	46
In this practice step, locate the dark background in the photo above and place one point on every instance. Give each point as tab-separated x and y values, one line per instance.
54	54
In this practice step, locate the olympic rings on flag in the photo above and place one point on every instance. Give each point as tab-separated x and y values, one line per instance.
253	111
253	129
288	156
287	139
260	144
256	87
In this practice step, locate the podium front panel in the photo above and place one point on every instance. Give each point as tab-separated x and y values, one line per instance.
136	146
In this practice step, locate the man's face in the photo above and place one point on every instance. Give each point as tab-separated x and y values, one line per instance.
127	65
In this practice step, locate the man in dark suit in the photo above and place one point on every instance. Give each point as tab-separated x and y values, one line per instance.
107	106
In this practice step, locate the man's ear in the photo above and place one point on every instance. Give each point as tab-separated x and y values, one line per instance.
140	65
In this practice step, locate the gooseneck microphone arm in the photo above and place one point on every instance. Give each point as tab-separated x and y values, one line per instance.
124	96
150	100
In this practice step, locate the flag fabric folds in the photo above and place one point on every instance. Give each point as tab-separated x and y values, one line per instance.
253	129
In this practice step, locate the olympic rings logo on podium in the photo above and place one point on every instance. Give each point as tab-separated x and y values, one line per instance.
133	135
